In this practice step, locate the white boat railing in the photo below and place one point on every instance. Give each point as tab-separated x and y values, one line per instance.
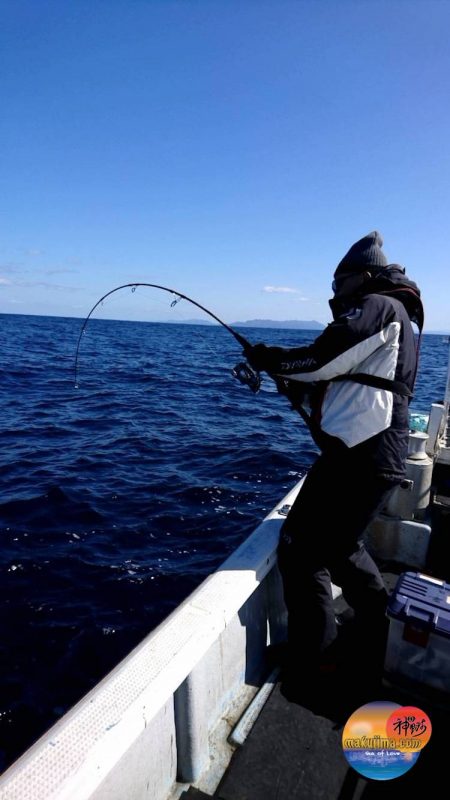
148	728
444	455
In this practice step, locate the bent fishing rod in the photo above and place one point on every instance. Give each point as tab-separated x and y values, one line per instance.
242	371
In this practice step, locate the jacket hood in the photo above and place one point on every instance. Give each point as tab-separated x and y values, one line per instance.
391	281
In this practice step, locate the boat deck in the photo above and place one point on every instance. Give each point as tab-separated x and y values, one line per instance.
294	750
295	753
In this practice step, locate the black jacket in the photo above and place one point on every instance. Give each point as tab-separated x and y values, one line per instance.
373	336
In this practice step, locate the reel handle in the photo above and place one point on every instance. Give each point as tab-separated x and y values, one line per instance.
245	374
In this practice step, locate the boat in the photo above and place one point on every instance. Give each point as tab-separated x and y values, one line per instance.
195	710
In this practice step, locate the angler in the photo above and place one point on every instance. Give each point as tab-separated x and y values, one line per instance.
361	370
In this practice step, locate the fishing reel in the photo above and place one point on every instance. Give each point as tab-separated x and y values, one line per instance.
247	375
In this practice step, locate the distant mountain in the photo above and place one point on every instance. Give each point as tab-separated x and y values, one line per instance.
298	324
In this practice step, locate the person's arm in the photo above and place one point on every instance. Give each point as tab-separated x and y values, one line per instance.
342	346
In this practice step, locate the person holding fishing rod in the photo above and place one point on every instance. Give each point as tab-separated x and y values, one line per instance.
352	385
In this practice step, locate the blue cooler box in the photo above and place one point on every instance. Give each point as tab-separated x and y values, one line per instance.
418	645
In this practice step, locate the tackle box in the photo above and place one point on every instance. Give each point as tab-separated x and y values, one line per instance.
418	646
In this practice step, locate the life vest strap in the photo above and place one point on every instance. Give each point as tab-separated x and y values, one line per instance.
398	387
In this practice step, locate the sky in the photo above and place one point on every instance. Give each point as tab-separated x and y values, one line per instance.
230	149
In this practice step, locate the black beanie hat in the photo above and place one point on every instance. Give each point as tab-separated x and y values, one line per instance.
364	254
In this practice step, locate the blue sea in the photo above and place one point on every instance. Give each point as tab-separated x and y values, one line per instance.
119	495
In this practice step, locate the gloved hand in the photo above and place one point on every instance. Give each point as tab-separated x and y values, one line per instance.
257	356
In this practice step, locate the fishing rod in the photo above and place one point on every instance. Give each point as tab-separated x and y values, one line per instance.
242	371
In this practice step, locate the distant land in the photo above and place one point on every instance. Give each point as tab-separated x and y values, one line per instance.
298	324
293	324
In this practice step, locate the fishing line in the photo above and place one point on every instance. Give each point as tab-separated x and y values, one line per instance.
243	372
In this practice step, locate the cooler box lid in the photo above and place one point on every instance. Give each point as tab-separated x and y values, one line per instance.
421	600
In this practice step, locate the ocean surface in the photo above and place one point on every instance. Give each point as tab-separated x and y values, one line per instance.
118	496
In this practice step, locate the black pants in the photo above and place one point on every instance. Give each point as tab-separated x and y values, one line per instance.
321	541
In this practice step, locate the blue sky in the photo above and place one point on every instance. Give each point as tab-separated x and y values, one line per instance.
231	150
